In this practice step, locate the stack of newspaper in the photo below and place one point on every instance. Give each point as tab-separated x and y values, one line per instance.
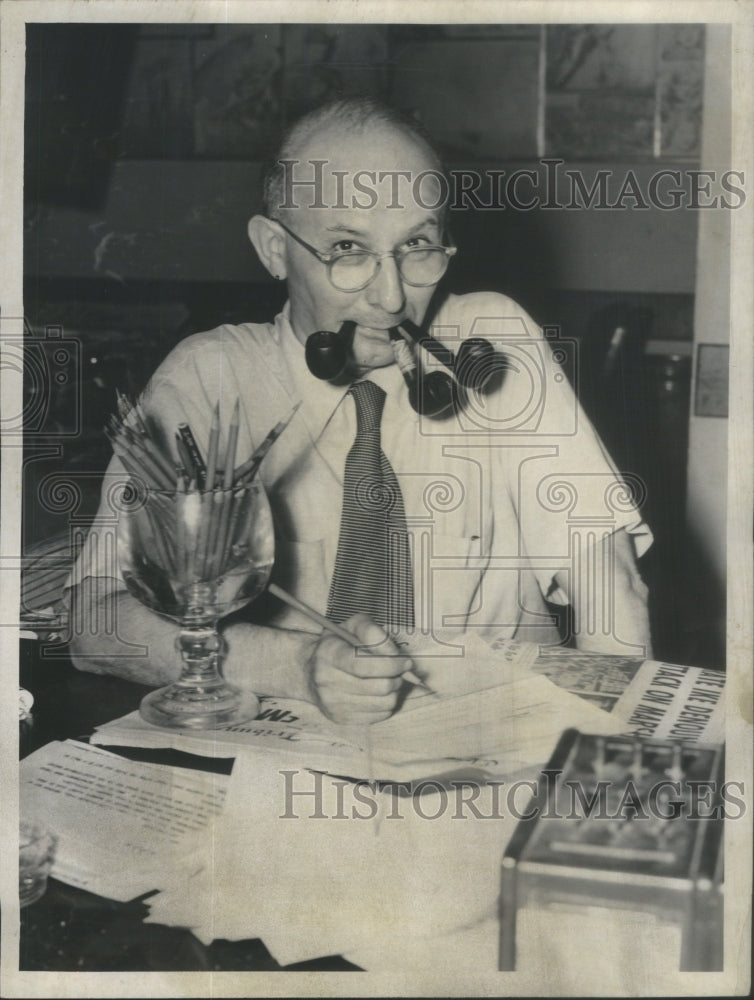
490	711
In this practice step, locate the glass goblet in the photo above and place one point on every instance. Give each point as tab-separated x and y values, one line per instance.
195	557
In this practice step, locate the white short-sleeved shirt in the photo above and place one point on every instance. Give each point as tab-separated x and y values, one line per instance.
498	497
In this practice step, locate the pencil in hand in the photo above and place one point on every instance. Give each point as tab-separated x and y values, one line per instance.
335	629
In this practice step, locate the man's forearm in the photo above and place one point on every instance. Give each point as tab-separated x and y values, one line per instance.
609	599
114	634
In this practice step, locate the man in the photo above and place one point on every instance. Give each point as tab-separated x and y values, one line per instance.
483	490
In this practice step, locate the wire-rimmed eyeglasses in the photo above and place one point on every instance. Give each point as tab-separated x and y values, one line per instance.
352	270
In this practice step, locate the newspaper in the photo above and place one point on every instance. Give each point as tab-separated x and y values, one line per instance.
657	700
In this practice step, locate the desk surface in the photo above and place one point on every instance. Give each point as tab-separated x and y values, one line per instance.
70	930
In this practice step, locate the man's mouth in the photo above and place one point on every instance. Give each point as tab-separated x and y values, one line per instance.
378	331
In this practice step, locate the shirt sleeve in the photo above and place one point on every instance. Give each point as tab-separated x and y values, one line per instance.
564	487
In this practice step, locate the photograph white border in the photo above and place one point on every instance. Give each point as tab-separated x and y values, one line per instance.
13	16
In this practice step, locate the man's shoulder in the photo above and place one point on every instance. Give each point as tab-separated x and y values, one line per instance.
244	337
228	344
476	312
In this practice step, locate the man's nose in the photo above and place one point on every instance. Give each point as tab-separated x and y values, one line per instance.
386	291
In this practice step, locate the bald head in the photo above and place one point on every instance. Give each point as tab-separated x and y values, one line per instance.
353	181
353	129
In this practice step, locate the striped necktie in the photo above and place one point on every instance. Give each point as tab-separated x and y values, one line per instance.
373	564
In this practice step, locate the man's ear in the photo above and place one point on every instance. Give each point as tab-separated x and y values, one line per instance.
269	243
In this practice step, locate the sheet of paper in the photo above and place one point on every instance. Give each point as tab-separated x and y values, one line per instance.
491	714
508	728
498	731
316	865
121	825
442	962
455	665
342	750
282	726
611	939
291	838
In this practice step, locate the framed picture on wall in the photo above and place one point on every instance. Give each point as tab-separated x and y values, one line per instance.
711	390
632	91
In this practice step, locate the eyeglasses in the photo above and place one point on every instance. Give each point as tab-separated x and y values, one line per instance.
352	270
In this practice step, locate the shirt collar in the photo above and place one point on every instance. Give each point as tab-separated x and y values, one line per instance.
320	400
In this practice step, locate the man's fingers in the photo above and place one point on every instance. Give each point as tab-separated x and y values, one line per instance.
379	656
379	666
358	684
373	637
359	663
358	717
355	716
370	687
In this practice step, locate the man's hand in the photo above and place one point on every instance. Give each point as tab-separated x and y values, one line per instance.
352	685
